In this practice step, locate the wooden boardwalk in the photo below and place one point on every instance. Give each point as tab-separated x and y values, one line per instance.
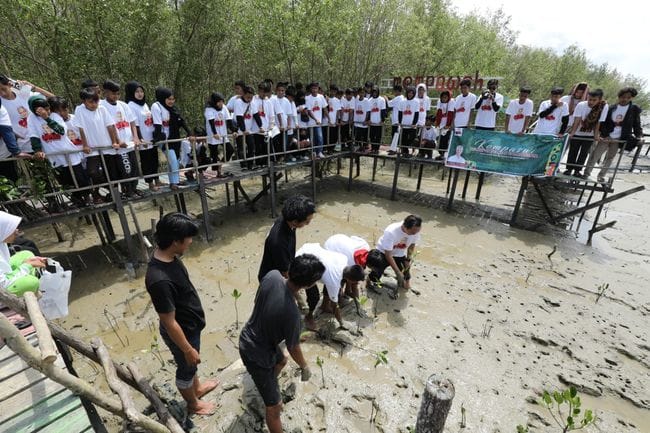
29	401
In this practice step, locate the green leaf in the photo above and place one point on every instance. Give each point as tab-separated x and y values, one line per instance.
576	411
569	421
573	392
558	397
547	398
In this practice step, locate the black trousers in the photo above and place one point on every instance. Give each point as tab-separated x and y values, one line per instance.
333	134
361	136
346	135
376	274
313	296
260	149
375	136
426	149
64	176
149	163
95	171
408	140
245	149
578	152
444	142
229	151
124	166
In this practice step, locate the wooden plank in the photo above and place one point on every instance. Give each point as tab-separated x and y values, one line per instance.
43	414
27	398
22	380
74	421
6	352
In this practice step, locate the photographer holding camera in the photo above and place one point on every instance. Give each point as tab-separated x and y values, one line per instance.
488	106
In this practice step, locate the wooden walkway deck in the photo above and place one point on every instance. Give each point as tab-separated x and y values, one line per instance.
29	401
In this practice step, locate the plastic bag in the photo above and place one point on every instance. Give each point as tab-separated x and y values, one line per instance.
55	287
394	141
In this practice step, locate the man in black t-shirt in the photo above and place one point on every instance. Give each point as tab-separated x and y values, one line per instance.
276	318
280	243
178	305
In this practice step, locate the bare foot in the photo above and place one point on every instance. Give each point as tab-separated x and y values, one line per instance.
310	324
206	387
202	408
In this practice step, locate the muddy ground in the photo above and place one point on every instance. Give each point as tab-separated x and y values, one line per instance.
489	310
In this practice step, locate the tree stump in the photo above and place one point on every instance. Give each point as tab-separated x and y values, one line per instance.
436	402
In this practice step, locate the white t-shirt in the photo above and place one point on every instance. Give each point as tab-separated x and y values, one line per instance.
395	104
408	108
4	116
550	125
429	133
346	245
582	111
231	103
292	116
246	110
463	106
617	117
486	117
263	107
315	104
143	120
53	142
395	240
18	111
518	113
278	110
376	105
445	107
94	124
220	118
361	108
567	100
333	108
347	109
122	117
334	264
160	116
424	105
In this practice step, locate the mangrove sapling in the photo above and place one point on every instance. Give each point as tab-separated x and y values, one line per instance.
601	291
570	401
361	302
522	429
380	358
220	291
236	294
319	363
463	423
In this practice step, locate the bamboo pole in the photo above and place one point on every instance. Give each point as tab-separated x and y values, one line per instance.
31	356
45	341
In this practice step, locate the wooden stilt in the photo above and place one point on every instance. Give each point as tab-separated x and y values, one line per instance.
452	193
520	196
417	188
479	187
393	193
466	184
436	402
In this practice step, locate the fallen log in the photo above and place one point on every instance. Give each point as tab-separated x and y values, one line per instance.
45	341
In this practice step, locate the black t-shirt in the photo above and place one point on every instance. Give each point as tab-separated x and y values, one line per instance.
279	248
275	318
171	290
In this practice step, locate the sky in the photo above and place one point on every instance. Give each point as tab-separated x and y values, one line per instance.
589	24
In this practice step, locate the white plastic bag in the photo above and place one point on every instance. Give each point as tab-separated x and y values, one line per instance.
55	288
395	140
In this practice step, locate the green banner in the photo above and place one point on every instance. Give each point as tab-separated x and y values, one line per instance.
498	152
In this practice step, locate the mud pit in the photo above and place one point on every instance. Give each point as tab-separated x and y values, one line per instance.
489	311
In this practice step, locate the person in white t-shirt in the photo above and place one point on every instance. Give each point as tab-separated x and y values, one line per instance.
425	103
375	118
518	112
622	124
161	112
123	164
361	109
282	110
238	88
218	125
445	111
245	115
338	279
577	95
553	115
587	119
397	246
134	96
488	106
97	130
333	114
463	105
48	134
15	100
262	105
393	106
316	105
428	139
409	116
354	248
347	117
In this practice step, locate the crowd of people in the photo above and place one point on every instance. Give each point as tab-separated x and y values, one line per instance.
97	140
286	277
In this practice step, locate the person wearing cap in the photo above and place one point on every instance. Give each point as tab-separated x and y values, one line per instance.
487	106
553	115
18	271
518	112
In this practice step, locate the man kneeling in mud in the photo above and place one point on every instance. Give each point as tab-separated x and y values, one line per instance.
276	318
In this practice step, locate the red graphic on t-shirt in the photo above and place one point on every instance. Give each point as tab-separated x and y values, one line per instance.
219	123
461	109
22	122
421	107
316	108
165	123
408	112
486	107
122	124
359	112
52	136
551	117
518	116
375	109
400	246
148	121
262	113
247	116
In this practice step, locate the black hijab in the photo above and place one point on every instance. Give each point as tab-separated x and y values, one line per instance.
214	98
176	121
129	93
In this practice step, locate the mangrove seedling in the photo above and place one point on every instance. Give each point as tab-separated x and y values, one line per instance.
522	429
319	363
236	294
381	358
601	291
462	416
566	411
155	350
360	303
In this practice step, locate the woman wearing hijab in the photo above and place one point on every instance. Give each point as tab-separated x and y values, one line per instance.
578	94
17	272
137	102
161	113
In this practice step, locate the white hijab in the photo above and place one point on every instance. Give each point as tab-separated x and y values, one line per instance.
8	224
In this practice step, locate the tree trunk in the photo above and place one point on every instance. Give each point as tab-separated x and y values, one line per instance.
436	402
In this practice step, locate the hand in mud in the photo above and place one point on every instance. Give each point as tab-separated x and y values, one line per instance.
400	279
305	374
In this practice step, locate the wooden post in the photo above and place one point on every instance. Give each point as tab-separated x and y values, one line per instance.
436	402
45	342
24	349
398	159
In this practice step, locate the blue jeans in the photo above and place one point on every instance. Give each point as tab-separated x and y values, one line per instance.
8	136
184	373
318	139
172	160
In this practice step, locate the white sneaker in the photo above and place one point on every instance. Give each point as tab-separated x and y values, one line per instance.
320	155
292	159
